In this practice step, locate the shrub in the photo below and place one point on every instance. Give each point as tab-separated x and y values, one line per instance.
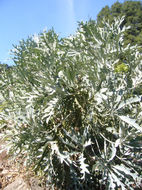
70	114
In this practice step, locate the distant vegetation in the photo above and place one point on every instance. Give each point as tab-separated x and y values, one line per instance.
132	10
71	108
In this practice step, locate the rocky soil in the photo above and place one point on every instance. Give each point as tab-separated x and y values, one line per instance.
14	176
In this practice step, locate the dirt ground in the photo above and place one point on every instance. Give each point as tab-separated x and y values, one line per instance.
14	176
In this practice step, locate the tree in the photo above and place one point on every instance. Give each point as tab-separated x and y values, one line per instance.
132	10
70	111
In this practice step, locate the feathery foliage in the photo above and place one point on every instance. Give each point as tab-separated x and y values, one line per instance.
70	109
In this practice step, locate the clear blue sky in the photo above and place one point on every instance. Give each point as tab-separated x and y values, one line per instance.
22	18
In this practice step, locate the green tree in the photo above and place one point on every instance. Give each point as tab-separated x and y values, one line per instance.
132	10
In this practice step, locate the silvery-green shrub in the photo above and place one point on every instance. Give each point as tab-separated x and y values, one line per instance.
70	108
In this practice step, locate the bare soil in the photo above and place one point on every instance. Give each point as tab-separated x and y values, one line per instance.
13	175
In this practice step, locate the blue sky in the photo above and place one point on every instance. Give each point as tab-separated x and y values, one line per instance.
22	18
